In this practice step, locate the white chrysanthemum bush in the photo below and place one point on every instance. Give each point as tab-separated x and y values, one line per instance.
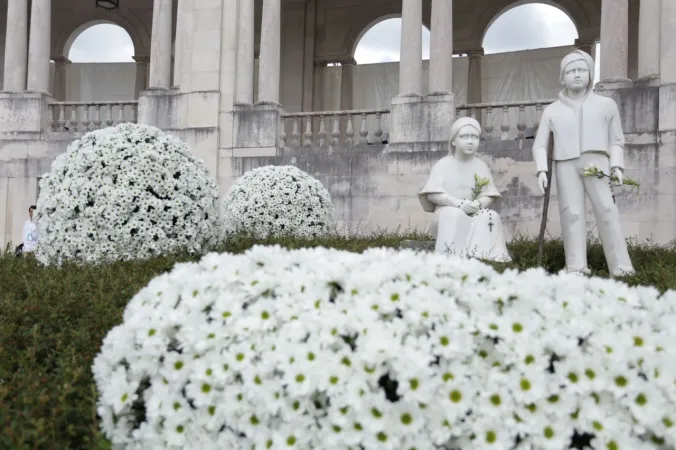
325	349
125	192
277	201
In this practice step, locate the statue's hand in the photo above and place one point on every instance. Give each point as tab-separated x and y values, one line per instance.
469	207
542	182
619	177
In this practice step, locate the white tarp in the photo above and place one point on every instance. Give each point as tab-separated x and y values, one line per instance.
506	77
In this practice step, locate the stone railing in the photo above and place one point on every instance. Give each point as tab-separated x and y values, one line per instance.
333	129
508	120
74	117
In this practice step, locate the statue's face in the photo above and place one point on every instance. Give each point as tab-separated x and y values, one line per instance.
576	76
467	140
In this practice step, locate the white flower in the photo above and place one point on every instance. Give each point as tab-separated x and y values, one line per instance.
301	349
277	200
125	192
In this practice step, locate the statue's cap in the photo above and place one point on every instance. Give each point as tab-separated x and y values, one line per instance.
463	122
576	55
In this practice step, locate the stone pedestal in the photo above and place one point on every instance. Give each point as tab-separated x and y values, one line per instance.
160	108
257	129
667	112
24	115
421	123
638	103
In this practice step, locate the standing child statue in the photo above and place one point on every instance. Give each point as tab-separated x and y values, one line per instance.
587	133
459	191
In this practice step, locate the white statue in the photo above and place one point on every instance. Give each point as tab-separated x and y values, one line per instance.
459	191
587	130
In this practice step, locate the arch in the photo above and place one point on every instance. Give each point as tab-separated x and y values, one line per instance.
358	38
83	28
137	33
488	18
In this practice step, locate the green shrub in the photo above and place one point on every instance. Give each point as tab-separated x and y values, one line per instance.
52	322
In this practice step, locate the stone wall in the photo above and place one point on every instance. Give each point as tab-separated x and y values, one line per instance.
372	189
375	188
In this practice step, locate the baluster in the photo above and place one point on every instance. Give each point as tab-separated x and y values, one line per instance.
472	113
85	115
109	119
72	124
51	122
120	113
134	112
295	133
335	133
322	132
538	116
378	133
349	132
61	122
504	127
308	132
97	117
489	122
521	125
363	131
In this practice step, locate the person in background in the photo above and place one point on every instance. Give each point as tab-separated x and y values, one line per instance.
30	233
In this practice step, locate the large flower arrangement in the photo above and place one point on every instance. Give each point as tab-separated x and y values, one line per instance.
324	349
277	200
125	192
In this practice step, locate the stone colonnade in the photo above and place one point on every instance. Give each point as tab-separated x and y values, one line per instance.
657	45
28	49
27	52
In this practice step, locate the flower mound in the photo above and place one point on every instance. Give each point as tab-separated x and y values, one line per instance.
324	349
125	192
277	200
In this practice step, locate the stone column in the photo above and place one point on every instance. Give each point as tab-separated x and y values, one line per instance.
614	40
347	85
60	78
441	47
181	30
160	45
318	88
16	46
668	43
474	94
270	59
39	46
649	39
245	52
141	82
410	65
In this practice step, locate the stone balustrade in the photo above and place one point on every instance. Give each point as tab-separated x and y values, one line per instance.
331	129
74	117
506	120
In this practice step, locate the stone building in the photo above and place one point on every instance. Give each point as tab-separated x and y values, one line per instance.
253	82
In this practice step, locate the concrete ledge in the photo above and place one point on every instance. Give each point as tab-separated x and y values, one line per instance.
254	151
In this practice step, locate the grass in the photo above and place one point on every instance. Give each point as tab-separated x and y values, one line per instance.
52	322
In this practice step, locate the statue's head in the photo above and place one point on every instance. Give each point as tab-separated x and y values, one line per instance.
576	70
465	135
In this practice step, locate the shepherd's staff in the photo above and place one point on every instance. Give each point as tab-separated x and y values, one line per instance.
545	206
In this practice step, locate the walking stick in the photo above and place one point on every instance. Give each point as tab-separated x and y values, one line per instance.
545	206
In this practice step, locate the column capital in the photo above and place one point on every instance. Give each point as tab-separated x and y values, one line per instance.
475	52
347	62
61	60
141	59
584	42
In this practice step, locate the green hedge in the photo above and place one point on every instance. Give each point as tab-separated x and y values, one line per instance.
52	322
